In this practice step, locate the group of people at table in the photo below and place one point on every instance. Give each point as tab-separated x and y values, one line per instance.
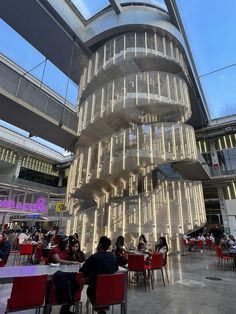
105	261
225	241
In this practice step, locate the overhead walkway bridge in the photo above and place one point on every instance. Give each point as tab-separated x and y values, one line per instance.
27	104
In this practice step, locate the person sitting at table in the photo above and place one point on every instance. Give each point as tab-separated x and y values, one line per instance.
75	253
162	246
35	236
59	254
143	244
50	239
192	244
5	246
201	237
121	251
23	236
224	245
100	263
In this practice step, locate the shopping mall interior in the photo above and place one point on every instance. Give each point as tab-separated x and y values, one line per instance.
108	128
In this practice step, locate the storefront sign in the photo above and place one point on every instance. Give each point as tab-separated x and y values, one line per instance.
60	207
39	206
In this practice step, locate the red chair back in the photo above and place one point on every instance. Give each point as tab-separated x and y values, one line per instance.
53	297
199	243
157	261
136	262
208	242
219	252
185	242
110	289
26	249
213	246
27	292
56	239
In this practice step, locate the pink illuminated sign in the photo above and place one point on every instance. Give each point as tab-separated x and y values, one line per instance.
38	206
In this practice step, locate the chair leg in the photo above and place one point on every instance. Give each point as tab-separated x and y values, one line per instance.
151	279
122	308
163	277
166	274
144	280
37	310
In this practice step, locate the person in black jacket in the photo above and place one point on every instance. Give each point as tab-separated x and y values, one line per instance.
5	246
100	263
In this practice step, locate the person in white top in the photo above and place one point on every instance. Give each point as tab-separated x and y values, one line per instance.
23	237
212	238
201	237
185	238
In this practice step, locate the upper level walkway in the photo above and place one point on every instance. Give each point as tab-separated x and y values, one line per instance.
29	105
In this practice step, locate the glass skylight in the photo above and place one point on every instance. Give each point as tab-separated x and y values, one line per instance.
157	3
89	8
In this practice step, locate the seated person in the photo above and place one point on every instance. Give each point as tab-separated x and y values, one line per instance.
75	253
212	238
23	236
121	251
59	254
231	243
50	239
192	243
185	238
201	237
143	244
102	262
5	246
162	246
224	245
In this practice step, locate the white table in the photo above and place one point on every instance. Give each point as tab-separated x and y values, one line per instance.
8	273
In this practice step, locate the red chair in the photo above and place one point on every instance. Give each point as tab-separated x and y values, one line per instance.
136	264
27	293
26	250
213	246
111	290
200	244
78	304
158	263
208	243
223	258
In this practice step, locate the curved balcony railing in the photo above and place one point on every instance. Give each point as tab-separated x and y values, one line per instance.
132	46
142	97
135	148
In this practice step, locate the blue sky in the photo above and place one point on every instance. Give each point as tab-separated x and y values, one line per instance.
210	27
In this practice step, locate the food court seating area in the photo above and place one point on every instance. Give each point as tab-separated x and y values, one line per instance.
190	280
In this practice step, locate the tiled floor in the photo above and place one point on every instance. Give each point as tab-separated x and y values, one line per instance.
189	291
